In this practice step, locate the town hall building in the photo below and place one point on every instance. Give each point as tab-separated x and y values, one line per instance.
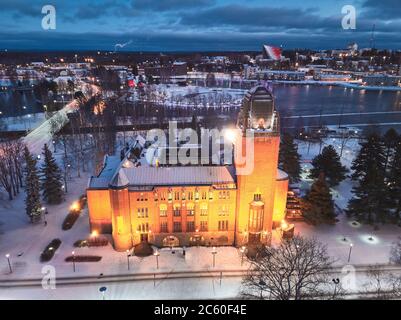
137	199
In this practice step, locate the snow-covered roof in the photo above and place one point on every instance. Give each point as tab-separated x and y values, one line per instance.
170	176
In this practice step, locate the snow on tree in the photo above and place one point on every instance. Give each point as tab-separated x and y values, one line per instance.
329	163
394	182
51	178
318	205
11	174
390	140
33	206
289	159
296	269
370	201
371	155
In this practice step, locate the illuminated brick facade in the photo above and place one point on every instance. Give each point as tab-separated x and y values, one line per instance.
191	205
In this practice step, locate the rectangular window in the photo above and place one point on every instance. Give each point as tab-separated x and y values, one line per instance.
142	212
177	212
176	196
190	226
203	226
163	227
163	212
143	227
177	227
223	225
190	212
204	195
190	196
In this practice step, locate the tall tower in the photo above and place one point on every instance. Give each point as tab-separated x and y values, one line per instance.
259	124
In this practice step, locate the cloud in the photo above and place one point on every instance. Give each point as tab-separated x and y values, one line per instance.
170	5
383	9
258	17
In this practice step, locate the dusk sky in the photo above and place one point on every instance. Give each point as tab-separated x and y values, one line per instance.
179	25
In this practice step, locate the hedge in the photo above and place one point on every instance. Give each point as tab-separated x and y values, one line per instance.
49	251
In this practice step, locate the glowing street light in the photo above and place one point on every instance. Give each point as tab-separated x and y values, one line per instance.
350	250
73	260
214	252
9	262
157	254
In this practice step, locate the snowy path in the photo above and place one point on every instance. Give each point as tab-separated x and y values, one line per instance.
42	135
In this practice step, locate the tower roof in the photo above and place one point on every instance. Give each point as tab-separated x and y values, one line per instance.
258	111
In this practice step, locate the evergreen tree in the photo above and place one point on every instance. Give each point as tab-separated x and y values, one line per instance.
329	163
51	178
318	205
370	201
289	159
395	181
390	140
33	206
370	155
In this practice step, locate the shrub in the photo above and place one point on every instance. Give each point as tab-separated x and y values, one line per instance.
49	251
82	201
80	243
97	241
70	220
83	258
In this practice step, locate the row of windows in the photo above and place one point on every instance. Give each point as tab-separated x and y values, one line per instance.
183	196
177	227
222	211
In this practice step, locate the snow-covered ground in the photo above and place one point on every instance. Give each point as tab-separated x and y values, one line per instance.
24	242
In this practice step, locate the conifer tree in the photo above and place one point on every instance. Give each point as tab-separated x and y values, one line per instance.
318	203
289	159
390	140
370	201
370	155
394	182
51	178
33	206
329	163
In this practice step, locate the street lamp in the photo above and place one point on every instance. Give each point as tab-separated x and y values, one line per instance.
9	262
350	250
73	260
261	284
242	250
157	254
128	255
214	252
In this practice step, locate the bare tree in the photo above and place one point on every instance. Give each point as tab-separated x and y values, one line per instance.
395	252
296	269
11	171
381	285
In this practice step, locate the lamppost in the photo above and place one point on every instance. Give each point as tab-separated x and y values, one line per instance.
73	260
350	250
157	254
261	284
128	255
103	291
9	262
242	250
214	252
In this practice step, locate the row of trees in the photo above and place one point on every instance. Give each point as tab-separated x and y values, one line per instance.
377	173
47	179
301	269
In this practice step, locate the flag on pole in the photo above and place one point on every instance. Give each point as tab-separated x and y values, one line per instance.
272	52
